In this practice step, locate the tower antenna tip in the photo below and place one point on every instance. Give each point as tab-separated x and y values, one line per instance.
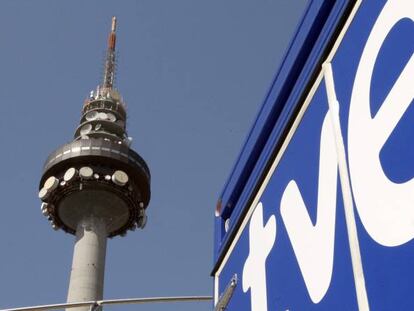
113	28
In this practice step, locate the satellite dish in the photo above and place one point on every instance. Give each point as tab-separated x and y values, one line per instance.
86	129
91	115
111	117
45	212
120	178
43	193
128	141
44	209
43	206
102	116
69	174
51	183
86	172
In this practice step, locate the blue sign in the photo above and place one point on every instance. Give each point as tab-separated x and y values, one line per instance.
293	250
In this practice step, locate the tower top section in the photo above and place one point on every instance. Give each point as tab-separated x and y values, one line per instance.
98	174
110	61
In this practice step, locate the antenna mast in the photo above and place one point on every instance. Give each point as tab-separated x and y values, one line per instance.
109	74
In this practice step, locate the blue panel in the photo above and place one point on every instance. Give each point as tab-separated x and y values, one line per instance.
297	263
318	25
285	286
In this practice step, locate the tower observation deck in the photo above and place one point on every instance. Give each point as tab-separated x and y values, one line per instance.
96	186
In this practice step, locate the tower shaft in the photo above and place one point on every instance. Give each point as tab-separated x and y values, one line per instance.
88	267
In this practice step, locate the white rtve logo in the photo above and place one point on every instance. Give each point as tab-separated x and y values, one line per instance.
385	208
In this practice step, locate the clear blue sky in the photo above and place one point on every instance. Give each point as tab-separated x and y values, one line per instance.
193	74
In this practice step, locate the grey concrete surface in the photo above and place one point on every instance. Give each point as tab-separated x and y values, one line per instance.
88	266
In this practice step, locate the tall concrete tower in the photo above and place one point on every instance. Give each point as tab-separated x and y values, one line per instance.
96	186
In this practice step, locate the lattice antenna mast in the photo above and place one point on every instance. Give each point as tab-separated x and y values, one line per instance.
109	73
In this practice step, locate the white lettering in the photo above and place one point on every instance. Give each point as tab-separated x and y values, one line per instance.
261	241
314	244
386	208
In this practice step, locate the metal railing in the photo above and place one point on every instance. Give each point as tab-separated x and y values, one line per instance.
93	305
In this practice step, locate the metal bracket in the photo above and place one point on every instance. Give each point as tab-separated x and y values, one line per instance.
226	295
95	307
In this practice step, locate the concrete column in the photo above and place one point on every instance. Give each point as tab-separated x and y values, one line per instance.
88	266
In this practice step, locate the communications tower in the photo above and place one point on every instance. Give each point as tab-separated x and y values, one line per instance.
96	186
